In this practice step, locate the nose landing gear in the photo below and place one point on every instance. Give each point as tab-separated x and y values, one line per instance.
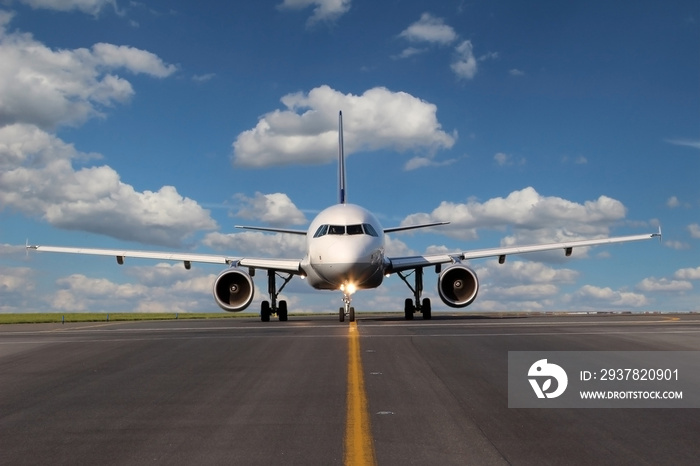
346	310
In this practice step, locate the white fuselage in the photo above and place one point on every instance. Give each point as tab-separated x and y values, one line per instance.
345	247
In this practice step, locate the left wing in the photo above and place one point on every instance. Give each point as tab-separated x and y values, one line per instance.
292	266
397	264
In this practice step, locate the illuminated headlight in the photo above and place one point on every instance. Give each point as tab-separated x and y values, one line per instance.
348	288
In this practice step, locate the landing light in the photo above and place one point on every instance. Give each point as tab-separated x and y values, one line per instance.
348	288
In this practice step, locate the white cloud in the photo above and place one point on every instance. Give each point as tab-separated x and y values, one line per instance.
275	209
518	272
377	119
677	245
688	274
464	65
516	72
49	88
429	29
422	162
607	296
166	288
664	284
37	178
672	202
535	218
324	10
133	59
91	7
257	243
17	285
42	88
410	52
694	230
506	160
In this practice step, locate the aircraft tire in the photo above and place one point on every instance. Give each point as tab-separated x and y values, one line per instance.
341	314
265	311
352	314
427	310
408	309
282	311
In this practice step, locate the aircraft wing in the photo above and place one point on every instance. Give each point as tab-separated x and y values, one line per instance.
397	264
283	265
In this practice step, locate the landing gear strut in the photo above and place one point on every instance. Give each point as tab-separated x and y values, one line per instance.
413	305
346	310
268	308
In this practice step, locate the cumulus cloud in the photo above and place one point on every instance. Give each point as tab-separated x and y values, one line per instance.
91	7
41	89
688	274
165	288
664	284
324	10
432	30
307	130
275	209
37	177
429	29
464	64
49	88
258	243
533	217
608	296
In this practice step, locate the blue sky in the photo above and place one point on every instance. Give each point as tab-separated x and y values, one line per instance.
160	125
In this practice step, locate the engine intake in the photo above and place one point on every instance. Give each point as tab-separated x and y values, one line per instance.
233	290
458	285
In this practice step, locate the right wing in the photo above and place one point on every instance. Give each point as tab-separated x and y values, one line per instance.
292	266
397	264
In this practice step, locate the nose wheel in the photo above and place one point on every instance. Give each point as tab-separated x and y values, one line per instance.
347	310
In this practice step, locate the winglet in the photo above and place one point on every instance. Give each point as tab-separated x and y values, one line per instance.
658	234
341	161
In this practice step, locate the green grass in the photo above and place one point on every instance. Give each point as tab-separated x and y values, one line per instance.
42	318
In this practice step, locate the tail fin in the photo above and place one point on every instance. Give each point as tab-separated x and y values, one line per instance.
341	161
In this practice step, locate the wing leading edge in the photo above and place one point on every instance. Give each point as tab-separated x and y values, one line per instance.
398	264
292	266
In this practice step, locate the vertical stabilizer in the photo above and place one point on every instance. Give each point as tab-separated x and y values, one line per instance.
341	161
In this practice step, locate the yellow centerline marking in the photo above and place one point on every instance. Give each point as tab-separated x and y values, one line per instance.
359	448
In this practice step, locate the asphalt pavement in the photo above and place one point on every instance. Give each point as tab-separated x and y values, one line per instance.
246	392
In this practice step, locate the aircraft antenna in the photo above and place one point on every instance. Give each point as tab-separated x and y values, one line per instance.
341	161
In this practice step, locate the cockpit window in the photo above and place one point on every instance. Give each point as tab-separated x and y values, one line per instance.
322	230
355	229
359	229
369	230
336	230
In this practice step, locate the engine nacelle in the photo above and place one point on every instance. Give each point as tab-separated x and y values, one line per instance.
233	290
458	285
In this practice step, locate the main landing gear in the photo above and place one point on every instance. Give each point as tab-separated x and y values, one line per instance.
346	310
413	305
268	308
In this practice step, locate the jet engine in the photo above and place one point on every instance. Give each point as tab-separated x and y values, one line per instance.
233	290
458	285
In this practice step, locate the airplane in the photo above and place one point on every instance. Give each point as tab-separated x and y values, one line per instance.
345	251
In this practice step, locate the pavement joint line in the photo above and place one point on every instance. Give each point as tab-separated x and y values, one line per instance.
359	447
